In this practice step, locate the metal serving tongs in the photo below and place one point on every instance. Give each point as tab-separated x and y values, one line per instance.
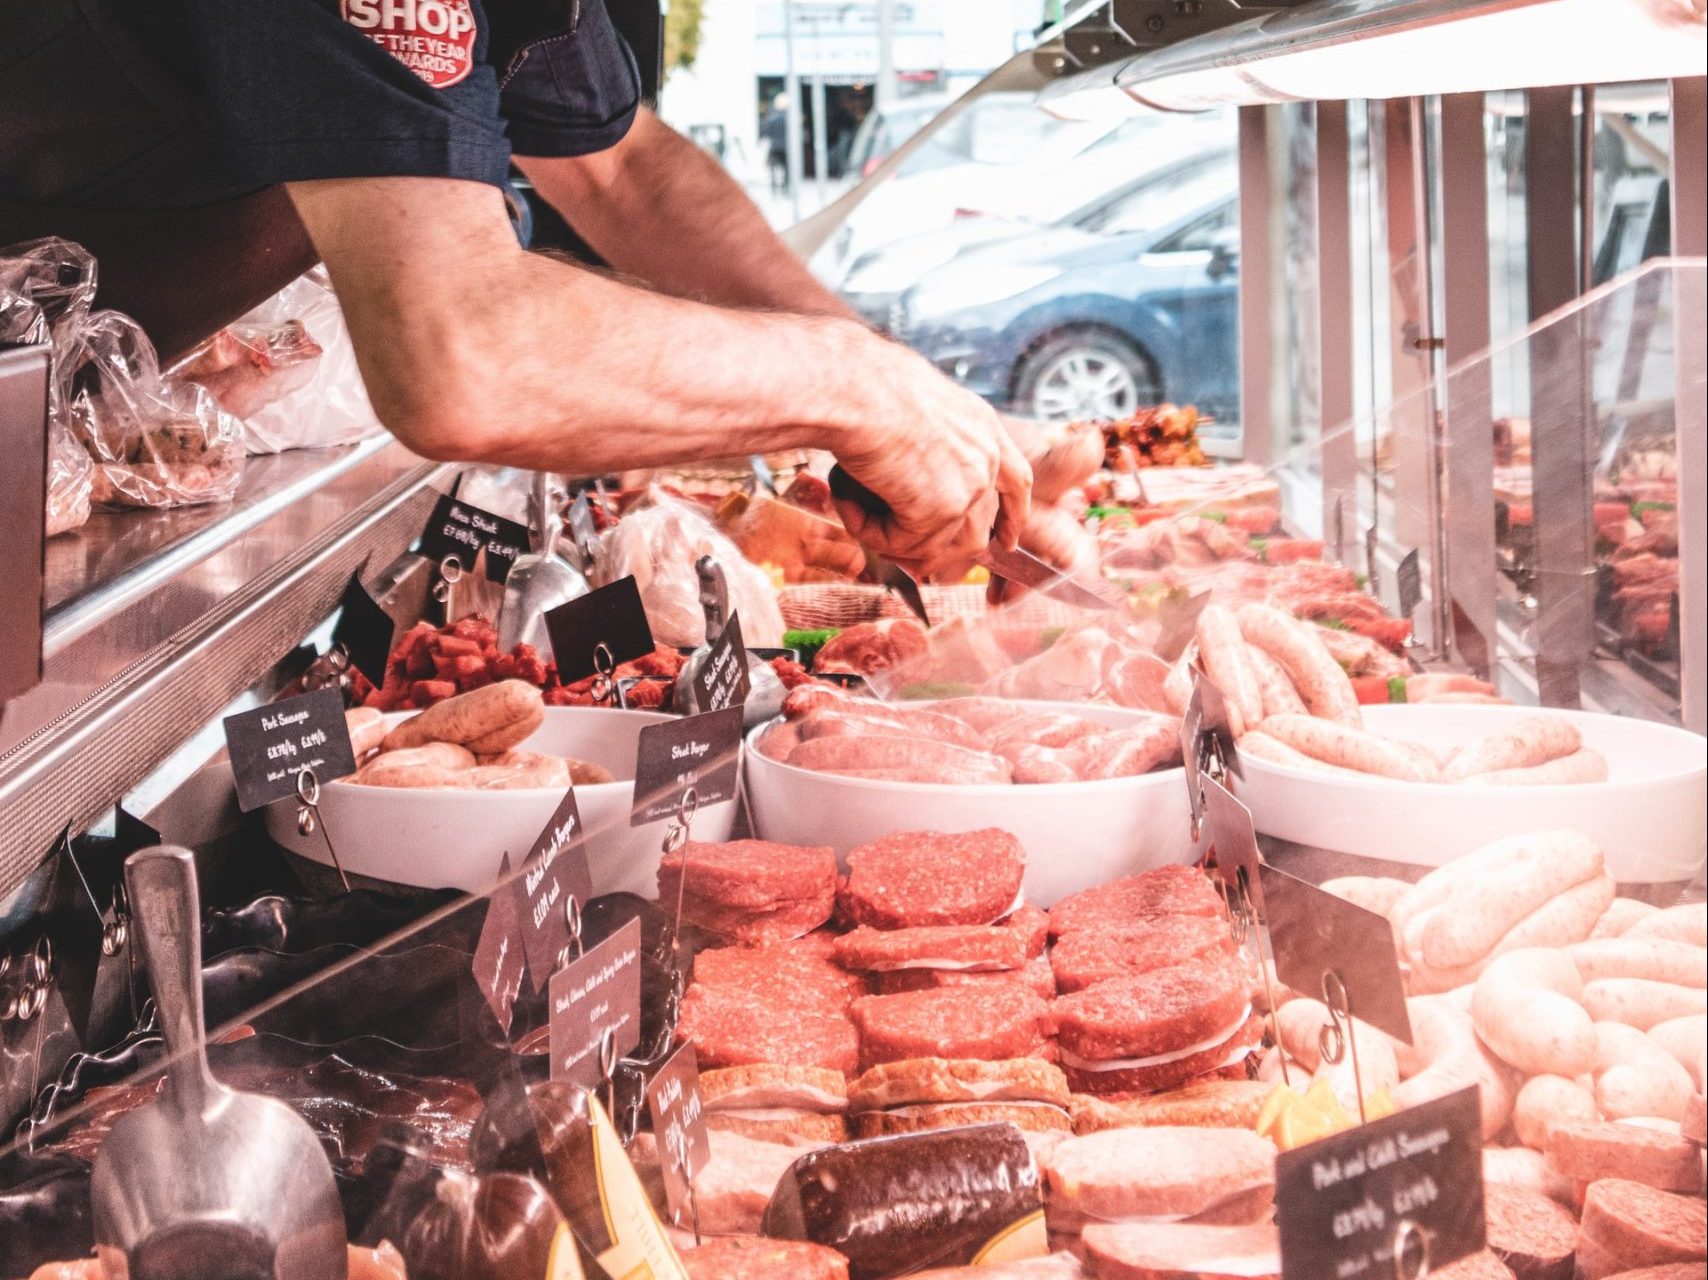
207	1183
541	581
1017	566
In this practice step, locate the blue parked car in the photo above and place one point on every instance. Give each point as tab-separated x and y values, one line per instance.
1130	303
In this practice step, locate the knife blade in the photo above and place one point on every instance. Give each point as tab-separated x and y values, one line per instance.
1018	566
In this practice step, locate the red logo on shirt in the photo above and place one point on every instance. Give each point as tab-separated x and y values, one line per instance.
433	38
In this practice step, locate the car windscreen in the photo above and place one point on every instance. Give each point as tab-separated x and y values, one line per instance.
1161	198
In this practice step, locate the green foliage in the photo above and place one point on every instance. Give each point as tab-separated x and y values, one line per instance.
682	34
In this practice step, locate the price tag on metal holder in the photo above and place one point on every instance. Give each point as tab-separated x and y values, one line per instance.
499	964
462	530
595	1011
555	884
679	1127
1206	744
611	618
1397	1199
699	753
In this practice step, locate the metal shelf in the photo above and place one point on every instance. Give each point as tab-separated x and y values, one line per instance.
156	620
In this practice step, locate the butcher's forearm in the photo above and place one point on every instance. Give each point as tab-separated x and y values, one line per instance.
659	208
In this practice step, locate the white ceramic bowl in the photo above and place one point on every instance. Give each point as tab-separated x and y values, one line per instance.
1076	834
444	837
1650	817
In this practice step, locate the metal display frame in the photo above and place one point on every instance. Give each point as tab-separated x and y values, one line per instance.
156	621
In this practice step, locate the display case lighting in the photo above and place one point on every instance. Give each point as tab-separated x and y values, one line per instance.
1349	49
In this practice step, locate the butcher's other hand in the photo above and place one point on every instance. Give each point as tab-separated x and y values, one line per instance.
1059	540
1064	455
939	457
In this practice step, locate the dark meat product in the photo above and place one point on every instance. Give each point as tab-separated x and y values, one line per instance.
754	874
1183	1251
1089	956
1608	1149
876	720
1215	1063
731	1028
962	947
901	759
755	1258
894	1206
1627	1225
1028	1117
1160	1012
1158	1172
797	975
930	878
993	1023
1166	891
1532	1234
916	1081
870	647
347	1106
1036	977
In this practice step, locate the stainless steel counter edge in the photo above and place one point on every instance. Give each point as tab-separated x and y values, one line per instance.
136	663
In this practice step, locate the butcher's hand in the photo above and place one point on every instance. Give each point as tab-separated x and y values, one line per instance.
952	478
1056	537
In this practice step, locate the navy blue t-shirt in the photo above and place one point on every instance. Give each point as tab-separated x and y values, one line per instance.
115	103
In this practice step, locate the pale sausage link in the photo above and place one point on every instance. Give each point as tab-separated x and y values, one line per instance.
1536	871
1636	1077
1318	678
1581	766
1527	1008
1227	662
1531	741
1446	1056
1350	748
1279	695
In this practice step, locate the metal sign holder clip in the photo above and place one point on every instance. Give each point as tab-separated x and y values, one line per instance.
1339	1036
309	818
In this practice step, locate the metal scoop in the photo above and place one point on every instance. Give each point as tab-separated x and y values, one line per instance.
207	1183
538	582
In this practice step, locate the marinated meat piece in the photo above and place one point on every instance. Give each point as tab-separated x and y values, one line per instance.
992	1023
1163	1011
1086	957
870	647
755	1258
1166	891
929	878
754	874
730	1028
960	947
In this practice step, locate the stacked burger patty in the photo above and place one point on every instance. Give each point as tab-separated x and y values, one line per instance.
1155	993
959	1030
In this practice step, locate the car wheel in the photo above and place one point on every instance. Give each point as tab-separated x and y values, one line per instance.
1085	374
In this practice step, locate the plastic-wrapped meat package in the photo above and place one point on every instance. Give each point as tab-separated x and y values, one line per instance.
894	1206
156	442
288	371
659	544
49	281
